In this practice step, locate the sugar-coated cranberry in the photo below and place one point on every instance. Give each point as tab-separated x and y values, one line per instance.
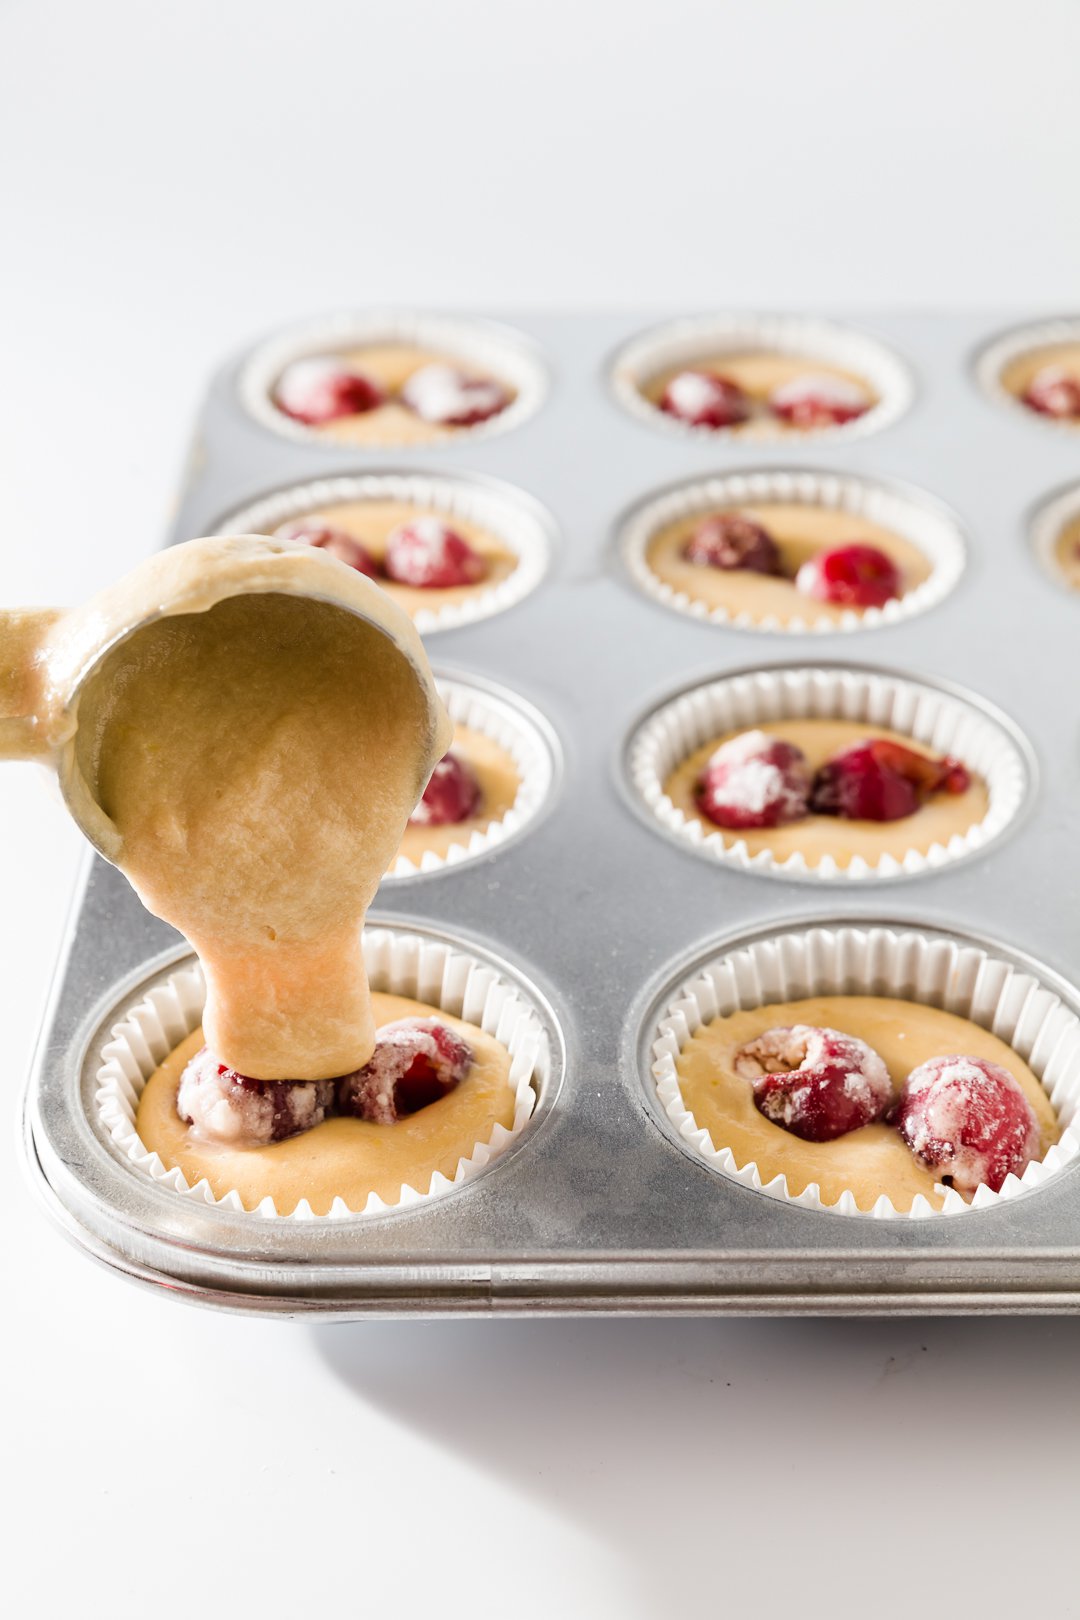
428	554
323	389
817	400
815	1083
730	540
228	1107
754	780
415	1062
450	398
453	794
1053	391
880	780
705	399
339	544
852	576
968	1119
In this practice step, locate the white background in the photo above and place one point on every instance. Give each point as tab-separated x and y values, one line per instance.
174	179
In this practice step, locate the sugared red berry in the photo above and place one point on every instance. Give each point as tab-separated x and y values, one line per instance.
880	780
754	780
815	1083
453	794
450	398
323	389
228	1107
851	576
705	399
1053	391
729	540
818	401
415	1062
428	554
969	1120
335	541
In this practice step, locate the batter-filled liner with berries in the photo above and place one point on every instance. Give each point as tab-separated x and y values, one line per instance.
449	551
391	1136
971	776
1036	370
760	378
792	551
393	379
868	1000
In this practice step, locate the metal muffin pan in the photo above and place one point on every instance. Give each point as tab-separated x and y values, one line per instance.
598	1209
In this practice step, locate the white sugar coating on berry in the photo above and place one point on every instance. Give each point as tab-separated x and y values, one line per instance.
311	372
971	1118
214	1103
371	1093
434	537
805	1046
745	775
747	745
752	787
440	393
830	390
692	392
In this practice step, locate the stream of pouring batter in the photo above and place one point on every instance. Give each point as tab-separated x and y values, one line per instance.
259	762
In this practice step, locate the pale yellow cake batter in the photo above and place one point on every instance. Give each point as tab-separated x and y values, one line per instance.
942	817
341	1158
372	523
799	532
1018	375
499	780
758	373
1067	553
870	1161
391	365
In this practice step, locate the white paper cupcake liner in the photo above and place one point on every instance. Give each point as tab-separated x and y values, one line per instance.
515	519
503	353
399	963
907	512
528	740
687	342
946	722
1001	351
918	966
1050	520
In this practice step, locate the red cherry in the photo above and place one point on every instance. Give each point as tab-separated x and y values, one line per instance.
818	401
450	398
879	780
323	389
854	576
432	556
1053	391
228	1107
415	1062
816	1083
705	399
969	1119
754	780
335	541
729	540
453	794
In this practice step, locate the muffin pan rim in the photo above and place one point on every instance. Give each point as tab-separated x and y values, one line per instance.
1024	749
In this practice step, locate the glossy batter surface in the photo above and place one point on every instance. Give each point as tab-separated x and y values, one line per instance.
870	1161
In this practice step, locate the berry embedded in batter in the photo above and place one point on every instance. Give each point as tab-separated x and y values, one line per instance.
969	1119
857	575
447	397
416	1061
336	541
1053	391
324	389
819	400
754	780
228	1107
428	554
453	794
705	399
816	1083
730	540
880	780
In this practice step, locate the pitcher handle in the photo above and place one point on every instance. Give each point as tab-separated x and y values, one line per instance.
24	681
